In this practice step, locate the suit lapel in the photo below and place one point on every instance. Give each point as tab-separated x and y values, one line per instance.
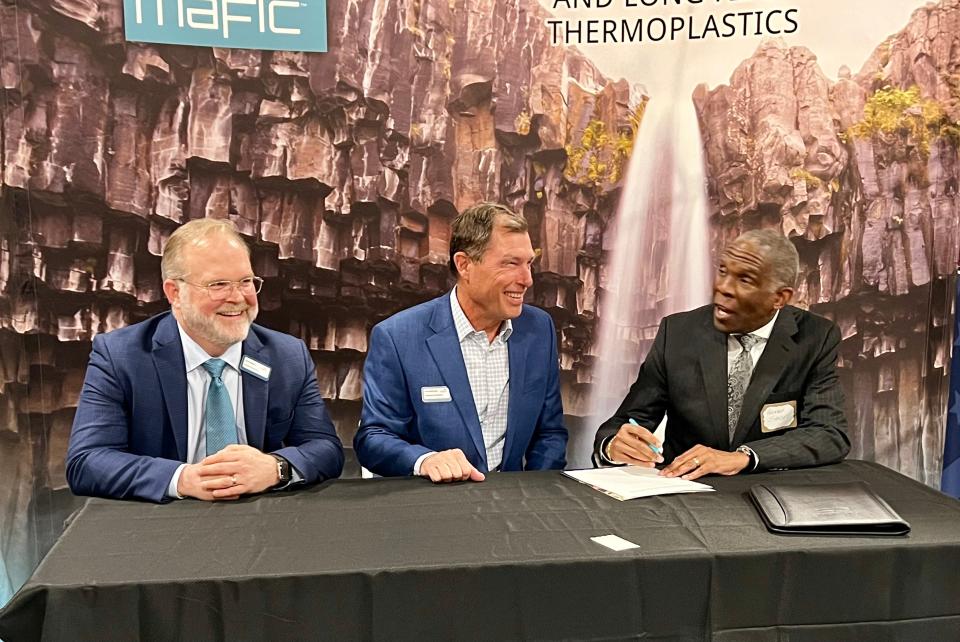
713	370
776	355
444	347
255	393
518	347
172	372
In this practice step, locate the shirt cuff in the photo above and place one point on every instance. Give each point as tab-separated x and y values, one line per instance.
174	482
419	462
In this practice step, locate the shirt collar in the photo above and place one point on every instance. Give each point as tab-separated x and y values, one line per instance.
465	328
194	356
765	331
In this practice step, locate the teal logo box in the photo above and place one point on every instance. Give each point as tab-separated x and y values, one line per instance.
288	25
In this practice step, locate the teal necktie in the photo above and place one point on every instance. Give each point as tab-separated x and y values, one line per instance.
219	423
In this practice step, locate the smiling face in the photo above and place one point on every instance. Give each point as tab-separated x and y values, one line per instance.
745	295
214	325
491	290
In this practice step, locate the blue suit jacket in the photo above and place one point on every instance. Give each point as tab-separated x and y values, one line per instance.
130	431
419	348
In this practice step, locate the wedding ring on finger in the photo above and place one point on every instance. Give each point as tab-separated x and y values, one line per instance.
696	462
233	480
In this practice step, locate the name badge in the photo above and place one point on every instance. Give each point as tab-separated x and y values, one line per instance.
254	367
777	416
435	394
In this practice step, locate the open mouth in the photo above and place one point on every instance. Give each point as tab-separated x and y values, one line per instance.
232	314
721	312
516	297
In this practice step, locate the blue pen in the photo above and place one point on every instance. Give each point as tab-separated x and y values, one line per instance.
652	447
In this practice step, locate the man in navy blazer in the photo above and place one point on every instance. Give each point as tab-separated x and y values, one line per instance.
143	424
468	382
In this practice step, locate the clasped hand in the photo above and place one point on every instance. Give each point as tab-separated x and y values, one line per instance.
234	471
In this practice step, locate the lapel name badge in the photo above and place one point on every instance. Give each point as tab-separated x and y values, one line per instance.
435	394
254	367
777	416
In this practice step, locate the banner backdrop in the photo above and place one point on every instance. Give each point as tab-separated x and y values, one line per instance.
637	137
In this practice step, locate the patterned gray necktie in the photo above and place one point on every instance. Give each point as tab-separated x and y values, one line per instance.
219	422
738	379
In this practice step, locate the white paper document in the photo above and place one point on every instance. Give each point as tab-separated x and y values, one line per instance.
614	542
630	482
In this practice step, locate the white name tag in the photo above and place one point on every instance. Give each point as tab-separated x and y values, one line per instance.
777	416
254	367
435	394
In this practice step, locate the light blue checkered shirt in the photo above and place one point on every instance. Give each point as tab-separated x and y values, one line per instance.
488	369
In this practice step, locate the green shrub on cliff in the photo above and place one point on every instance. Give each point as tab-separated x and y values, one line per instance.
891	111
799	173
600	157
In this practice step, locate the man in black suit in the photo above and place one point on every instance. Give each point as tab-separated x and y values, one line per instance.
747	383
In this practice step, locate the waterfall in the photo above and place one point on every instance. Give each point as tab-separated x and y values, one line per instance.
659	256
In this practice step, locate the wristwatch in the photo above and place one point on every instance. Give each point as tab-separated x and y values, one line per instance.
748	451
283	470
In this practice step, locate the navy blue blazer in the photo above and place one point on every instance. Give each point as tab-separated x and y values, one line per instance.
130	431
418	348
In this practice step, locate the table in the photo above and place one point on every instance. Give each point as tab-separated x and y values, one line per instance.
509	558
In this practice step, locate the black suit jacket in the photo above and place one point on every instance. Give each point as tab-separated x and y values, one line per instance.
685	375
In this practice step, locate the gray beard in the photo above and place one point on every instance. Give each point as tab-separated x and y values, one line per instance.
208	329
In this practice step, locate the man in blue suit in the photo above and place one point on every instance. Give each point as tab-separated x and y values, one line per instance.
469	382
199	402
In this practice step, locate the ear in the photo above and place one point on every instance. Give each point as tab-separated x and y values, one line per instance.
782	297
463	263
171	289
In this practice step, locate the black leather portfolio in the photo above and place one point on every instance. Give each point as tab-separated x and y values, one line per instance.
826	509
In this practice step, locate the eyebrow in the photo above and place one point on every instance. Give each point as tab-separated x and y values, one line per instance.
515	257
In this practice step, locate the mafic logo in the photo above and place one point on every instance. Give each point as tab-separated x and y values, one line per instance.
297	25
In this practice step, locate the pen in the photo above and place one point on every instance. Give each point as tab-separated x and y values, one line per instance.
652	447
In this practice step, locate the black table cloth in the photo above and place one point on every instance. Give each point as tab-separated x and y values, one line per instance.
508	558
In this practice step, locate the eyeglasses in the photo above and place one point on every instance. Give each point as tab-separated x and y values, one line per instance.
220	290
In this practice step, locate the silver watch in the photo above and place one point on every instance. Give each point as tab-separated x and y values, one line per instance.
752	456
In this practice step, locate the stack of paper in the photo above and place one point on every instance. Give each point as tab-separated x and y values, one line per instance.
630	482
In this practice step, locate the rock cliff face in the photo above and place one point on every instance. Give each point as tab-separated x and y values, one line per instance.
342	169
862	174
